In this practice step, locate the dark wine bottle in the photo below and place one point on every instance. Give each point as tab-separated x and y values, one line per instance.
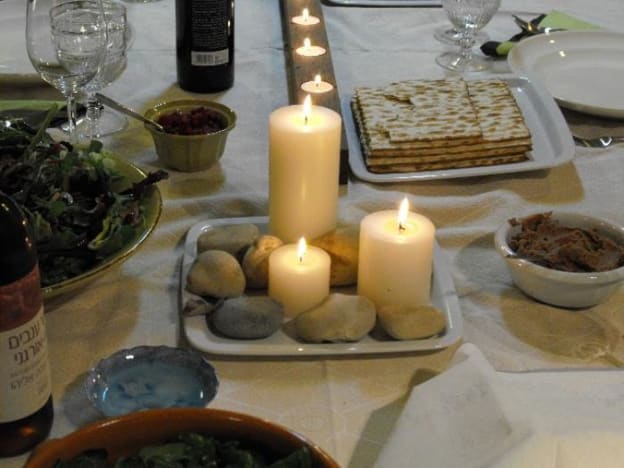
26	410
205	44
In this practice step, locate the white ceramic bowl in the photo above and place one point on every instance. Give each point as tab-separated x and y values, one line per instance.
561	288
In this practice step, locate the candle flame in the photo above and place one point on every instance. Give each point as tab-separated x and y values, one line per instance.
301	249
307	108
305	14
317	80
306	43
402	217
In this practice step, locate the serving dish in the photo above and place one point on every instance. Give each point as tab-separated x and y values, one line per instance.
552	141
284	343
127	434
583	70
150	377
563	288
152	206
190	152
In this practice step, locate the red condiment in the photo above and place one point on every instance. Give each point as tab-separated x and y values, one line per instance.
195	121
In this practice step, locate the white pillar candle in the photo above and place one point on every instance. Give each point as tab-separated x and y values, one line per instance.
305	19
396	257
309	50
317	86
298	277
304	161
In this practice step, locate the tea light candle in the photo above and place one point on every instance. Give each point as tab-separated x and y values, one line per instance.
304	160
309	50
298	277
396	257
305	19
317	86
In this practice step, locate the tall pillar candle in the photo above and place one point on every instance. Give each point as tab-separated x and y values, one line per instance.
298	277
304	161
395	258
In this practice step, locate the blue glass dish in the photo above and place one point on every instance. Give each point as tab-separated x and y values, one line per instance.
150	377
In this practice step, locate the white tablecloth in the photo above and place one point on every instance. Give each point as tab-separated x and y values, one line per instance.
348	406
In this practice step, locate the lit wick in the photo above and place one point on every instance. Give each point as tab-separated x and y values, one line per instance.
301	249
307	109
402	217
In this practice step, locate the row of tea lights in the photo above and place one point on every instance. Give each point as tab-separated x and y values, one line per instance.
396	247
317	85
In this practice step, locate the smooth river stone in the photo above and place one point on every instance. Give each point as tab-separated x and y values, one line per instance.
342	245
248	317
411	322
231	238
216	273
256	260
340	317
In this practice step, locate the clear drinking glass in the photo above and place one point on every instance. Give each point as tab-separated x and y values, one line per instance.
98	121
66	42
469	17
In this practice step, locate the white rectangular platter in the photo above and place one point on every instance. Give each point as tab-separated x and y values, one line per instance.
284	341
552	141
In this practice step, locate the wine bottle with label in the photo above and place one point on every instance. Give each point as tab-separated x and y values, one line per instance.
26	410
205	44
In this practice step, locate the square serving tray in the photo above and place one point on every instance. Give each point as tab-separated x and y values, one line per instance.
284	341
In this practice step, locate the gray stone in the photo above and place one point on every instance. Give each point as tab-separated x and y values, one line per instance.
248	317
411	322
216	273
339	317
256	260
231	238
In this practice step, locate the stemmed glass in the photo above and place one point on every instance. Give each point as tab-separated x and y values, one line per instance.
469	17
98	122
66	42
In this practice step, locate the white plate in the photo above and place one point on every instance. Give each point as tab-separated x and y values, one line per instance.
283	342
583	70
552	141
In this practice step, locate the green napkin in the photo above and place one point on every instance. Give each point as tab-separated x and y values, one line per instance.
555	20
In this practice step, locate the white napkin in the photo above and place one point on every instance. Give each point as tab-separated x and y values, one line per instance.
471	416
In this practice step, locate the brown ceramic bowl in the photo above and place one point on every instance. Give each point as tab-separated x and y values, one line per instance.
127	434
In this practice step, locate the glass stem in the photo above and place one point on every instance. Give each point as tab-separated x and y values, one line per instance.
71	115
467	42
94	111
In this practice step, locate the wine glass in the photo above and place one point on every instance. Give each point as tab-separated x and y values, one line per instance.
98	121
469	17
66	42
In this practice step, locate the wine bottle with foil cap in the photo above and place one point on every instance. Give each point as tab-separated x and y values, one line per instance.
26	410
205	45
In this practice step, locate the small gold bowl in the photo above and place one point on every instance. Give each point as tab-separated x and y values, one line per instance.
190	153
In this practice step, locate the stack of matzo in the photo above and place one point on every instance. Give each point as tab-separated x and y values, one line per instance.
425	125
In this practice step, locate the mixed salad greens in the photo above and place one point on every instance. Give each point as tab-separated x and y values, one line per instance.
70	197
191	450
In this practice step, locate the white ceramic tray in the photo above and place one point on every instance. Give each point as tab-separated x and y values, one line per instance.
284	342
552	141
583	70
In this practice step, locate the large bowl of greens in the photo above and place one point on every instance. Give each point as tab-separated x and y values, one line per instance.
182	437
88	208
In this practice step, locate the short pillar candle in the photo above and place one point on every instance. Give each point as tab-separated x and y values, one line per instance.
298	277
396	257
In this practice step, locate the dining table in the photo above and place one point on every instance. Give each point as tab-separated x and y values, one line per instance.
347	403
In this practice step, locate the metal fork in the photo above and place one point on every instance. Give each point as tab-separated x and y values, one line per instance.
598	142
